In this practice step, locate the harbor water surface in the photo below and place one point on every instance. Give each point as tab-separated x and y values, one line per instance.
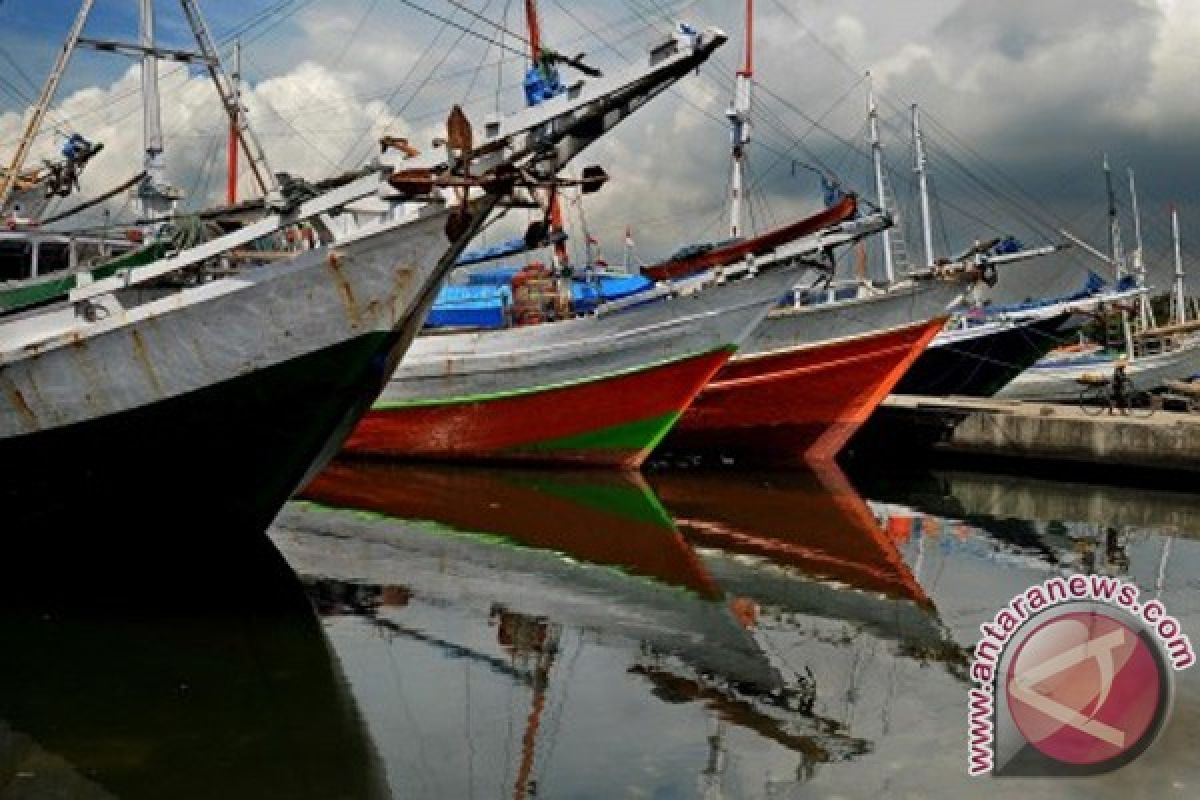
456	633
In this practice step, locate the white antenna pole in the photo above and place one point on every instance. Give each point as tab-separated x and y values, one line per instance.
921	168
8	180
889	267
1180	297
739	121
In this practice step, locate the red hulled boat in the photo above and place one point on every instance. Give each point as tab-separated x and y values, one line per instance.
811	376
698	259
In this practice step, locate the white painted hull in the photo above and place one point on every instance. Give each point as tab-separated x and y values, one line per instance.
219	331
445	366
1060	383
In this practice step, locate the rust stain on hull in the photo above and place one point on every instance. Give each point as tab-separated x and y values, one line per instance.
334	262
402	274
18	401
143	359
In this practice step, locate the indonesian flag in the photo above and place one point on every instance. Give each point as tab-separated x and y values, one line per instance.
628	236
592	239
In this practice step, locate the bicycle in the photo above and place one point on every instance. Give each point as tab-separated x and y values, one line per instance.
1097	396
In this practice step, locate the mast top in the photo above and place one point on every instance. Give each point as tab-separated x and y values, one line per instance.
535	30
747	70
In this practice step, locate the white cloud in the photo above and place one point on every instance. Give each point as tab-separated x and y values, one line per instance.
1036	86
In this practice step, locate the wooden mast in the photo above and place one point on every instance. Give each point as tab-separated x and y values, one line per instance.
8	180
1118	253
1145	312
231	180
534	27
921	167
889	266
739	120
535	31
1179	296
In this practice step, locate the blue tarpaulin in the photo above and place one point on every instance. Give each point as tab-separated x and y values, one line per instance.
587	294
470	307
483	301
500	276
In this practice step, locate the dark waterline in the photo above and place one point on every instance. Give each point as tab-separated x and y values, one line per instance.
433	632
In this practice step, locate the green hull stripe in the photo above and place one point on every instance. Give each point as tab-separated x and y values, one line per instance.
43	289
639	435
636	503
484	398
440	530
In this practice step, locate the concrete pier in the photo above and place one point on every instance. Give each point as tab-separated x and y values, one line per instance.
1165	440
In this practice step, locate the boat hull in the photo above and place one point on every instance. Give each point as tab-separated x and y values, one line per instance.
210	413
982	366
612	421
594	390
1060	383
797	395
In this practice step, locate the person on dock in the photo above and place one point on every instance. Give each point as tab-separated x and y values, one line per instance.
1119	396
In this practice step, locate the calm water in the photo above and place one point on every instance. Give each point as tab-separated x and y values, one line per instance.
435	632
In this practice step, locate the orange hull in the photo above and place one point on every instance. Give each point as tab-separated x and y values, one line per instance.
799	405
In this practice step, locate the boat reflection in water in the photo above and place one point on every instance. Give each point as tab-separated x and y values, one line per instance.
807	543
134	676
572	636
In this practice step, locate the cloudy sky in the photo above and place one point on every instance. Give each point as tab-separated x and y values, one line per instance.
1021	99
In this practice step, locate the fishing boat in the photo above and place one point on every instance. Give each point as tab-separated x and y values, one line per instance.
598	389
982	350
596	385
1156	355
795	394
813	373
239	362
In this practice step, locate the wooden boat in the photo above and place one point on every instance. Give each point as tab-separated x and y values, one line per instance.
810	376
1057	380
600	389
1156	353
979	360
695	258
981	351
176	372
